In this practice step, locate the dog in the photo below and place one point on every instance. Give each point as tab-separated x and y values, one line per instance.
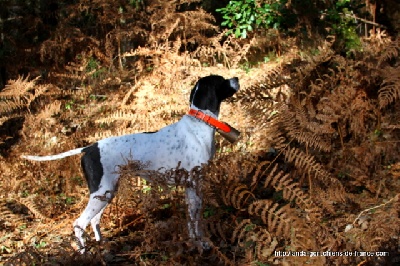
188	142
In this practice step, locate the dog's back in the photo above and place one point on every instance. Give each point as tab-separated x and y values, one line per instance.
189	141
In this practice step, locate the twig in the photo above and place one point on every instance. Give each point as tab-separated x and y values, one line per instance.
366	21
372	208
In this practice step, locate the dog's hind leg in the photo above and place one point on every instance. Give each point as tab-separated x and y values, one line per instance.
91	214
101	187
95	222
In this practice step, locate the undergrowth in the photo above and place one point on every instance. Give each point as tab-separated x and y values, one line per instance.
316	170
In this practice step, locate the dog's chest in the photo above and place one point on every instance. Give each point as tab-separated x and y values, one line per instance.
188	141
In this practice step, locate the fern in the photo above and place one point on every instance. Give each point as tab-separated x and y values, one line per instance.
309	165
390	87
8	216
32	206
9	106
50	110
297	124
282	221
292	192
391	51
217	228
17	88
19	94
120	115
236	195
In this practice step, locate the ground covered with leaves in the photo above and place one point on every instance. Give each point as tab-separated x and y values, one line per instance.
313	180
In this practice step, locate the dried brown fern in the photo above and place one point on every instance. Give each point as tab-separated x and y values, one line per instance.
249	235
34	208
120	115
240	182
293	193
302	76
50	110
283	222
390	87
236	195
303	128
8	217
186	24
318	175
18	94
388	49
228	51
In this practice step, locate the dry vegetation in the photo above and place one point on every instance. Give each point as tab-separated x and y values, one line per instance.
317	167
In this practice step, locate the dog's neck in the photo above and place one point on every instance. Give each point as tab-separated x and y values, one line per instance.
202	124
210	119
204	132
207	112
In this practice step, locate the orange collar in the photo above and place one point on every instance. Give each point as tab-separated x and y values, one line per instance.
210	120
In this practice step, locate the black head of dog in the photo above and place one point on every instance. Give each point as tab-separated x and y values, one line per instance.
210	91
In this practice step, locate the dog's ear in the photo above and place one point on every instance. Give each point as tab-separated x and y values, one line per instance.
193	92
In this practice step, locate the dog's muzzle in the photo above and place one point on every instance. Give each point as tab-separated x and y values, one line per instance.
234	82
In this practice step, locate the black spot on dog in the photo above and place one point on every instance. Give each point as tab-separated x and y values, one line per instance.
92	167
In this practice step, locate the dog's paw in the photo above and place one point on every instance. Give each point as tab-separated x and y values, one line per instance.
205	245
76	245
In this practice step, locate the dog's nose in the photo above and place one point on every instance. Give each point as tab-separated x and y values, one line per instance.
234	82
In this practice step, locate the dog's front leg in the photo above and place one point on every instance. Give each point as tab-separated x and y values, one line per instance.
194	201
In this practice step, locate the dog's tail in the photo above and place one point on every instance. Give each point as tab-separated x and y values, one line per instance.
53	157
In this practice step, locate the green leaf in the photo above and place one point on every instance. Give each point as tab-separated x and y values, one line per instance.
237	32
224	23
244	34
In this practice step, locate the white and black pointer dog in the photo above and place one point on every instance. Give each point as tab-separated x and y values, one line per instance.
189	141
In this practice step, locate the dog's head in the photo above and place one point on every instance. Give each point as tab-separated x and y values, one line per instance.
210	91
